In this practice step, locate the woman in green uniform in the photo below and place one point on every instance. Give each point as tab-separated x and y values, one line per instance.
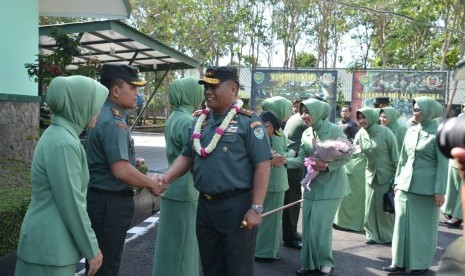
351	214
453	205
388	117
379	146
56	231
420	185
177	251
269	231
328	187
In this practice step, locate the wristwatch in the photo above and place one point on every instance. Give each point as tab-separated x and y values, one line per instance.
257	208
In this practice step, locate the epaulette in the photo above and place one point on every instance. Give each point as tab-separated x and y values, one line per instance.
246	112
116	113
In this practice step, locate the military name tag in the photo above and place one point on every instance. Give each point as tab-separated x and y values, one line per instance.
232	129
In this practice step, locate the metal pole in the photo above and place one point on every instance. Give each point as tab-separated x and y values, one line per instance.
244	222
151	97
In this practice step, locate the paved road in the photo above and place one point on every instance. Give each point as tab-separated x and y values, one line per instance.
352	256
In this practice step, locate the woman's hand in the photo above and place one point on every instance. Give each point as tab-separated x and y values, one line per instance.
439	200
95	263
278	160
320	165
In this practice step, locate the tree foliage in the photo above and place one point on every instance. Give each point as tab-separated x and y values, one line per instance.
414	34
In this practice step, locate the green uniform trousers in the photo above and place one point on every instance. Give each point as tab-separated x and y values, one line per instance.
269	230
225	248
379	225
111	215
415	231
28	269
177	252
317	234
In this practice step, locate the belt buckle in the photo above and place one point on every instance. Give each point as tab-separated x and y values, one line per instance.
208	197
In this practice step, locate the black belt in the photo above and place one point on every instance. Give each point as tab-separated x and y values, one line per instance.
224	195
123	193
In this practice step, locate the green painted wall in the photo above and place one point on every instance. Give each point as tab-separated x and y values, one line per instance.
19	36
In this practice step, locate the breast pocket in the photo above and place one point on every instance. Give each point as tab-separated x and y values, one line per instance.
229	138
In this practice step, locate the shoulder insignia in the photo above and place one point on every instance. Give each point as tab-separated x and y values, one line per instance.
116	113
246	112
256	123
121	125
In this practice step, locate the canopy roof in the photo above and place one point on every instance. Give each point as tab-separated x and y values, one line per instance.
113	41
116	9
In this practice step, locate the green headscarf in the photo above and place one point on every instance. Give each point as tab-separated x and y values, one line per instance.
76	99
186	93
392	115
371	114
319	111
430	109
280	106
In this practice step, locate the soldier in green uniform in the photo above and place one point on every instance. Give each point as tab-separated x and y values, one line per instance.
420	185
230	157
269	231
379	146
110	156
328	187
177	252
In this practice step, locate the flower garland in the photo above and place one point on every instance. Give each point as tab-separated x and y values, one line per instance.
219	131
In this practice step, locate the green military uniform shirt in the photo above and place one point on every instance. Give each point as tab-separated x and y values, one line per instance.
231	165
108	142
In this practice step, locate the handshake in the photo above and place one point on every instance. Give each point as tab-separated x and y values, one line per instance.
155	182
159	184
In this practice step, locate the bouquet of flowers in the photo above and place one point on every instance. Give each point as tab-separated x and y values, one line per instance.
327	151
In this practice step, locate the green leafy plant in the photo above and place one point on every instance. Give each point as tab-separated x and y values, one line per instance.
57	63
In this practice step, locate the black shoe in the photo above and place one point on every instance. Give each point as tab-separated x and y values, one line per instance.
296	244
370	242
447	216
303	271
393	268
267	260
419	271
337	227
453	224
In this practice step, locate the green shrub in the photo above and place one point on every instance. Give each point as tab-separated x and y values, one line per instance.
13	207
15	194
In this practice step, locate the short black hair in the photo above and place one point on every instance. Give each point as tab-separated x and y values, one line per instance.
347	106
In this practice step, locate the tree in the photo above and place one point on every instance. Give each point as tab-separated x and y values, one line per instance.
306	60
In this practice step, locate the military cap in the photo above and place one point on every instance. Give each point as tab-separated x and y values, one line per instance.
217	75
269	116
121	71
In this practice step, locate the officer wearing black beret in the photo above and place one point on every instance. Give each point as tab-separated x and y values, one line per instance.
111	159
229	153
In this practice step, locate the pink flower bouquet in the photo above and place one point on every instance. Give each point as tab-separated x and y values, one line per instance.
327	151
